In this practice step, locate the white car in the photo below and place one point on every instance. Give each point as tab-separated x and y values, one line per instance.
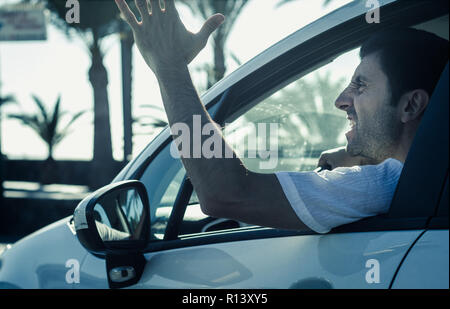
173	245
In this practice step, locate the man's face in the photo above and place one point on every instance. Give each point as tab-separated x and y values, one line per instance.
375	127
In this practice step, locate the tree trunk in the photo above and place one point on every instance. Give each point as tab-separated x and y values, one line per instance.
103	158
49	172
50	152
126	42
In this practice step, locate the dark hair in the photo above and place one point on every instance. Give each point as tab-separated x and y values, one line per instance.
410	58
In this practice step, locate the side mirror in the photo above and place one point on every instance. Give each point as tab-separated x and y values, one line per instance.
114	219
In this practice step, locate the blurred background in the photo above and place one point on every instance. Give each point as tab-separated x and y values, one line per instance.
78	102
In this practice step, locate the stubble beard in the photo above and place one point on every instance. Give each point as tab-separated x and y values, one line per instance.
377	138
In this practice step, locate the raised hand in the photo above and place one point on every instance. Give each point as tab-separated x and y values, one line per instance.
162	38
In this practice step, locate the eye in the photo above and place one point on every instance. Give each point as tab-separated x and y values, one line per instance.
361	87
357	86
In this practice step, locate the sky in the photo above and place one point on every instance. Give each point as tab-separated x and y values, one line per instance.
59	65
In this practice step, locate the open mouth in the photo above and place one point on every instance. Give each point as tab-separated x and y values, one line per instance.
352	124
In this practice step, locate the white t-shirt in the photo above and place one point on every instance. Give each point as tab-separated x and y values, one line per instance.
326	199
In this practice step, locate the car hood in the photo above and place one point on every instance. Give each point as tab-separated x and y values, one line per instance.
39	260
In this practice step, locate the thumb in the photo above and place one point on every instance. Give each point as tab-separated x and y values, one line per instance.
211	25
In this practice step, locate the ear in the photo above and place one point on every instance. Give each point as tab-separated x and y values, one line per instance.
413	104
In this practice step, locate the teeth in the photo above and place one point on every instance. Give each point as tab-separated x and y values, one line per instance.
352	123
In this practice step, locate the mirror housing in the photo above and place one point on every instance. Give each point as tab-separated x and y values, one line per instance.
114	219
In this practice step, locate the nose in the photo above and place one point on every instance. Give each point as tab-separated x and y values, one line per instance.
344	101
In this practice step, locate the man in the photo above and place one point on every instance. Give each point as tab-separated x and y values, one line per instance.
384	111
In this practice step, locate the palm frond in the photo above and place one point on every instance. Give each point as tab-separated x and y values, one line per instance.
235	58
56	116
75	117
30	121
153	121
155	124
65	131
152	106
7	99
41	107
45	125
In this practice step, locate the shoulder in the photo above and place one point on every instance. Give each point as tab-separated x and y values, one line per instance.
392	163
390	166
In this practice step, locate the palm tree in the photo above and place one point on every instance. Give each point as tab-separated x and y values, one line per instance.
47	124
97	20
126	49
231	9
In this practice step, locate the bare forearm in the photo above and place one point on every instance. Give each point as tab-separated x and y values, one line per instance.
213	178
168	49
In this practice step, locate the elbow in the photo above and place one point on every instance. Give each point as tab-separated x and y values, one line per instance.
212	207
220	207
226	202
226	208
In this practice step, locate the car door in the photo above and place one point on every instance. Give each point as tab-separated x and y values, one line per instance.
190	250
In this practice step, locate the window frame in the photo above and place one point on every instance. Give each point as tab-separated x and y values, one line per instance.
273	76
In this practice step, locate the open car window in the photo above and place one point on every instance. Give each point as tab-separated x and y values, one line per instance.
286	131
162	179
